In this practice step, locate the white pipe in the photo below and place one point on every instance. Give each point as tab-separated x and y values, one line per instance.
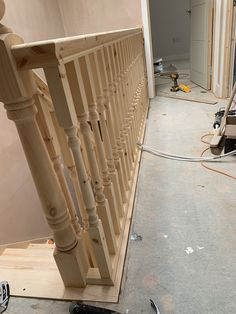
184	158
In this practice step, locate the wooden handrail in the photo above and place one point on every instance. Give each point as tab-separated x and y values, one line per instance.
49	52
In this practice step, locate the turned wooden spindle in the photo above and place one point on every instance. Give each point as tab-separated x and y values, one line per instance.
75	79
50	138
70	164
118	109
16	92
130	119
131	79
56	143
64	107
120	100
95	70
115	112
121	92
103	207
89	76
128	67
111	126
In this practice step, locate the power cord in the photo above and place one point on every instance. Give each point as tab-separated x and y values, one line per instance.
183	158
200	159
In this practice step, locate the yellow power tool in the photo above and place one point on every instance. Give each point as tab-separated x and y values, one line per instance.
176	87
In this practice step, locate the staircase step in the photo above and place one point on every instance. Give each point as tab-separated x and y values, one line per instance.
30	258
29	252
46	246
22	245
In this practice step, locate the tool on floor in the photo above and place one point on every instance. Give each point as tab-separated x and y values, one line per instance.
4	295
219	115
136	237
185	88
174	76
225	128
154	306
177	87
76	307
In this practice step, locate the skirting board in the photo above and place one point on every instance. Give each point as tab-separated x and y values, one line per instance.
37	276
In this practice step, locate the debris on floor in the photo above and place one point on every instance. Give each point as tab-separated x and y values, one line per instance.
88	309
189	250
136	237
158	65
161	69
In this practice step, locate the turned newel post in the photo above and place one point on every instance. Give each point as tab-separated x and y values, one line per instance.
16	92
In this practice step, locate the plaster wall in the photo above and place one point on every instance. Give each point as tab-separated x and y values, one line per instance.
36	20
93	16
170	28
20	210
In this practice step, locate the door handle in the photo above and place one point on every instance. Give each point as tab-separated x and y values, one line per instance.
188	11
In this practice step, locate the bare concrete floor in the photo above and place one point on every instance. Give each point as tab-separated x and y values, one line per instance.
187	218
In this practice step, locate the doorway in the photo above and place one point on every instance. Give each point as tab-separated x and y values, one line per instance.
170	22
182	33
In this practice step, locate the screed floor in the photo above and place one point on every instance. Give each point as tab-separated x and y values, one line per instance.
186	216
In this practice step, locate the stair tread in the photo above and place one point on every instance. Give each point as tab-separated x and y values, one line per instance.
29	251
36	246
29	258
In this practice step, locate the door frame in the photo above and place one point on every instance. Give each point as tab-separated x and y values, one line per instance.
147	32
233	50
221	46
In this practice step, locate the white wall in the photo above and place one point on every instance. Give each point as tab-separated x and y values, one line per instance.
94	16
34	19
170	28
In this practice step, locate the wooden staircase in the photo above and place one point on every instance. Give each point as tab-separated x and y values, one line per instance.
13	249
79	132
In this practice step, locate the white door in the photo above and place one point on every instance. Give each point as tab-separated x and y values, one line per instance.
201	42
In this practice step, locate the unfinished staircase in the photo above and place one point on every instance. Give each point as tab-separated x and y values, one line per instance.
79	131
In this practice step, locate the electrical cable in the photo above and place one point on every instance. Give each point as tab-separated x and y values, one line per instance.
215	170
205	135
183	158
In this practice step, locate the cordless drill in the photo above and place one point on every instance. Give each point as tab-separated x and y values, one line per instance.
174	76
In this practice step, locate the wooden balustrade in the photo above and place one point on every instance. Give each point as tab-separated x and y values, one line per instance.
88	120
